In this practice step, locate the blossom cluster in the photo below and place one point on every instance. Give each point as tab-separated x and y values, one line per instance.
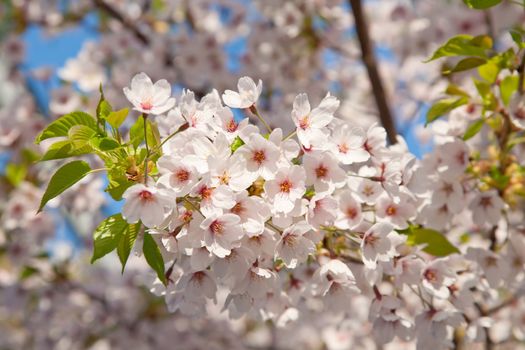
326	215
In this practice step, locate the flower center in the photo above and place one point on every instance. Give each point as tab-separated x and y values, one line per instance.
391	210
206	192
216	227
259	156
304	123
232	126
351	213
343	148
146	196
182	175
430	275
321	171
285	186
237	208
147	105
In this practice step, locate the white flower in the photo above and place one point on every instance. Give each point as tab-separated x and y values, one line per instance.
323	172
336	284
146	204
437	277
287	186
348	145
322	210
486	208
149	98
246	97
221	231
261	157
311	124
376	244
397	212
177	174
293	248
349	215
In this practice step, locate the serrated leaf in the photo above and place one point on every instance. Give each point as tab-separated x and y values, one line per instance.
62	125
507	87
114	233
460	45
435	243
153	256
64	149
466	64
105	143
126	243
481	4
65	177
115	119
473	129
443	107
80	135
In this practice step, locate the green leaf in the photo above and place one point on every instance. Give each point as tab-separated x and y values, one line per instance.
153	256
435	243
65	177
15	173
507	87
104	109
80	135
114	233
64	149
115	119
462	45
443	107
126	243
105	143
481	4
136	133
489	71
237	142
456	90
62	125
466	64
473	129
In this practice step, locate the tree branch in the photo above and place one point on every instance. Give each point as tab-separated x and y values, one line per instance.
369	60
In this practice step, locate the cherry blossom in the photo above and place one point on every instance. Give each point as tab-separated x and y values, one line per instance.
149	98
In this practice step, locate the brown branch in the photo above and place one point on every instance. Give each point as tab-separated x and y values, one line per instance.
369	60
110	10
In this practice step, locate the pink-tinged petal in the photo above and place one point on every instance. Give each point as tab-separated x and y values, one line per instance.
232	99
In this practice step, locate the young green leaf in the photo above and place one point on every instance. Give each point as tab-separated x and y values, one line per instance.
115	119
114	233
473	129
65	177
481	4
443	107
62	125
126	243
435	243
489	71
80	135
466	64
507	87
462	45
153	256
65	149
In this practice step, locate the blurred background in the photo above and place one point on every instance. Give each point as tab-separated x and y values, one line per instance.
54	54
